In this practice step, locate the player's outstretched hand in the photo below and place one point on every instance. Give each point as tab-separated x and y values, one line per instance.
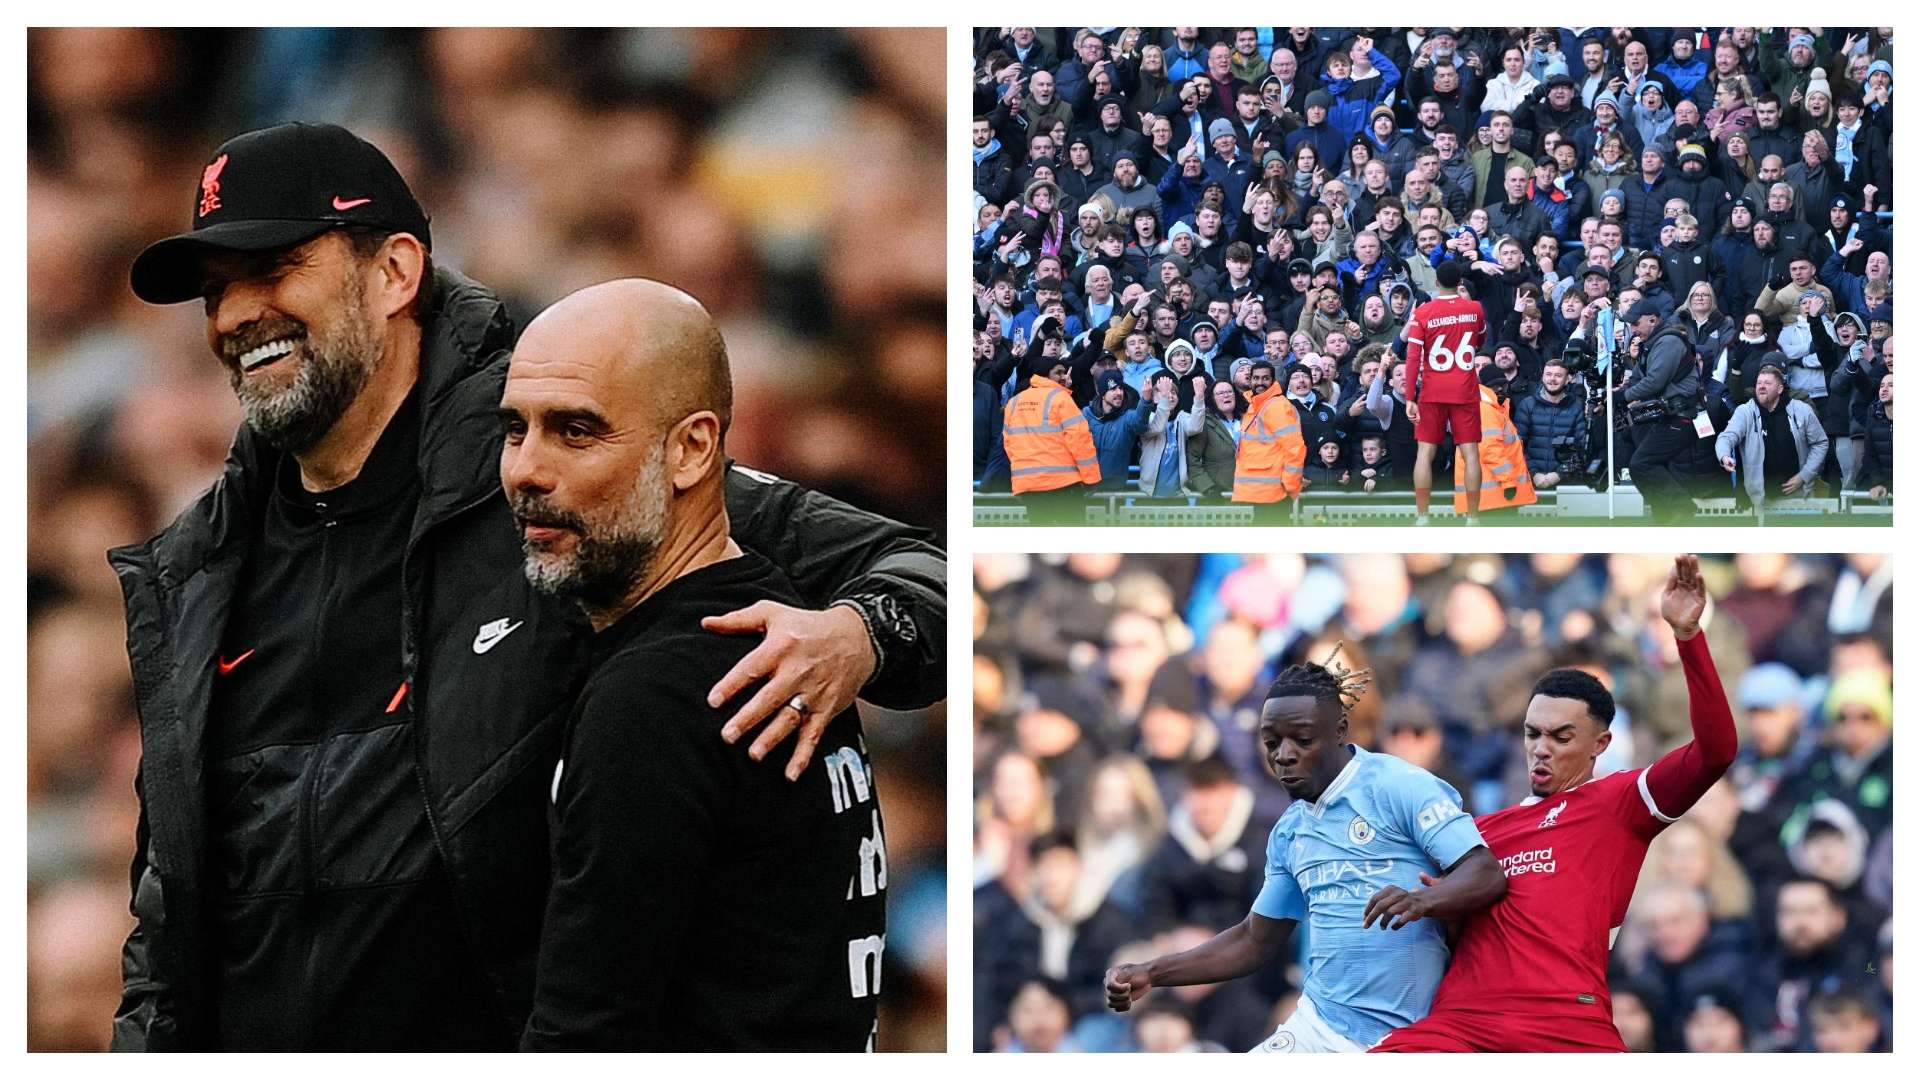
1684	600
825	656
1126	984
1395	907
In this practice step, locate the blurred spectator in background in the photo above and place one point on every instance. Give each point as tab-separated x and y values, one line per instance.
548	160
1773	890
1712	1024
1208	868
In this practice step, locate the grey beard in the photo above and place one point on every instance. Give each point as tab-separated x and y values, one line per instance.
295	419
609	560
599	574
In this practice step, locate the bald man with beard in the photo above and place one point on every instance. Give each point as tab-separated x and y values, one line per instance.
700	900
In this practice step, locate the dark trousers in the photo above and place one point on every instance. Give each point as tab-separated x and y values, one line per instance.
1662	467
1061	506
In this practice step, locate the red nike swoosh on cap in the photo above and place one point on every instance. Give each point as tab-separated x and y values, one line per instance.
348	204
227	666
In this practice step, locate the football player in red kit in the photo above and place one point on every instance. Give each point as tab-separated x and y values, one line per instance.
1529	973
1443	390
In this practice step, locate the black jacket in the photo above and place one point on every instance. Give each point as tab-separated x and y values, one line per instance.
1670	370
1876	464
485	734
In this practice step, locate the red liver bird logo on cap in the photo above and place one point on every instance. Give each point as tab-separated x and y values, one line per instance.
210	186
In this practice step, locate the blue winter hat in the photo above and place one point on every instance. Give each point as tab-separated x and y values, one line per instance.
1106	381
1799	40
1218	128
1880	65
1769	685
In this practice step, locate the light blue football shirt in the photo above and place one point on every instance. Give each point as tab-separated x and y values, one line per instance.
1381	822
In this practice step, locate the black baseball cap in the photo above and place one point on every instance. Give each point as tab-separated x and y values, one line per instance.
274	188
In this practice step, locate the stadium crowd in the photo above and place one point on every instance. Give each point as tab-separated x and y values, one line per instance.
1122	808
548	161
1160	211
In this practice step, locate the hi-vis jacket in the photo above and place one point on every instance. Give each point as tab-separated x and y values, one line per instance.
1504	479
1273	455
1048	444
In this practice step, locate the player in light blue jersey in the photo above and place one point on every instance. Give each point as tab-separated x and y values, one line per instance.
1346	859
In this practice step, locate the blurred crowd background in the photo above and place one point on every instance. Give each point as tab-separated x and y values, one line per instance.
790	179
1122	810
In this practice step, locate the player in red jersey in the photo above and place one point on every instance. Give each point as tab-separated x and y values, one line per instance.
1443	391
1529	973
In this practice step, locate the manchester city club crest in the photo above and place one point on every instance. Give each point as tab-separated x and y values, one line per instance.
1360	832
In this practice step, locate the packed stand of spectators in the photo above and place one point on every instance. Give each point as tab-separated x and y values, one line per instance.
1122	809
1159	211
548	161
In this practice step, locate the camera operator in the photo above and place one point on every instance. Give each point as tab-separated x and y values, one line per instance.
1779	440
1661	398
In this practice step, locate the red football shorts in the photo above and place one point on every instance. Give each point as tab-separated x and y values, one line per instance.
1437	416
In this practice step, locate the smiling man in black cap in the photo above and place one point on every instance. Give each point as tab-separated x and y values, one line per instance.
349	695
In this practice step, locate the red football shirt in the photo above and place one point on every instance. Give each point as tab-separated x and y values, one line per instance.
1444	337
1571	862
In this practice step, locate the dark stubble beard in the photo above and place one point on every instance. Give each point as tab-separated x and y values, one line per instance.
338	364
609	558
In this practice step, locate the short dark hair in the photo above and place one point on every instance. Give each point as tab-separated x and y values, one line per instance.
1240	251
1049	841
1841	999
1826	888
1577	685
1262	363
1054	988
1208	772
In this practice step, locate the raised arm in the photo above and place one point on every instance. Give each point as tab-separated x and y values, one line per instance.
1676	781
882	635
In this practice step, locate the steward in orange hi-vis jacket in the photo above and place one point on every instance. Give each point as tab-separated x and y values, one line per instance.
1272	458
1050	452
1504	479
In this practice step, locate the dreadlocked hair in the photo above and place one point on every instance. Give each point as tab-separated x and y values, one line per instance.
1329	682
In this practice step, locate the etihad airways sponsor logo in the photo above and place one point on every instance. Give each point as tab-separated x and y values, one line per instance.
1343	878
1534	861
